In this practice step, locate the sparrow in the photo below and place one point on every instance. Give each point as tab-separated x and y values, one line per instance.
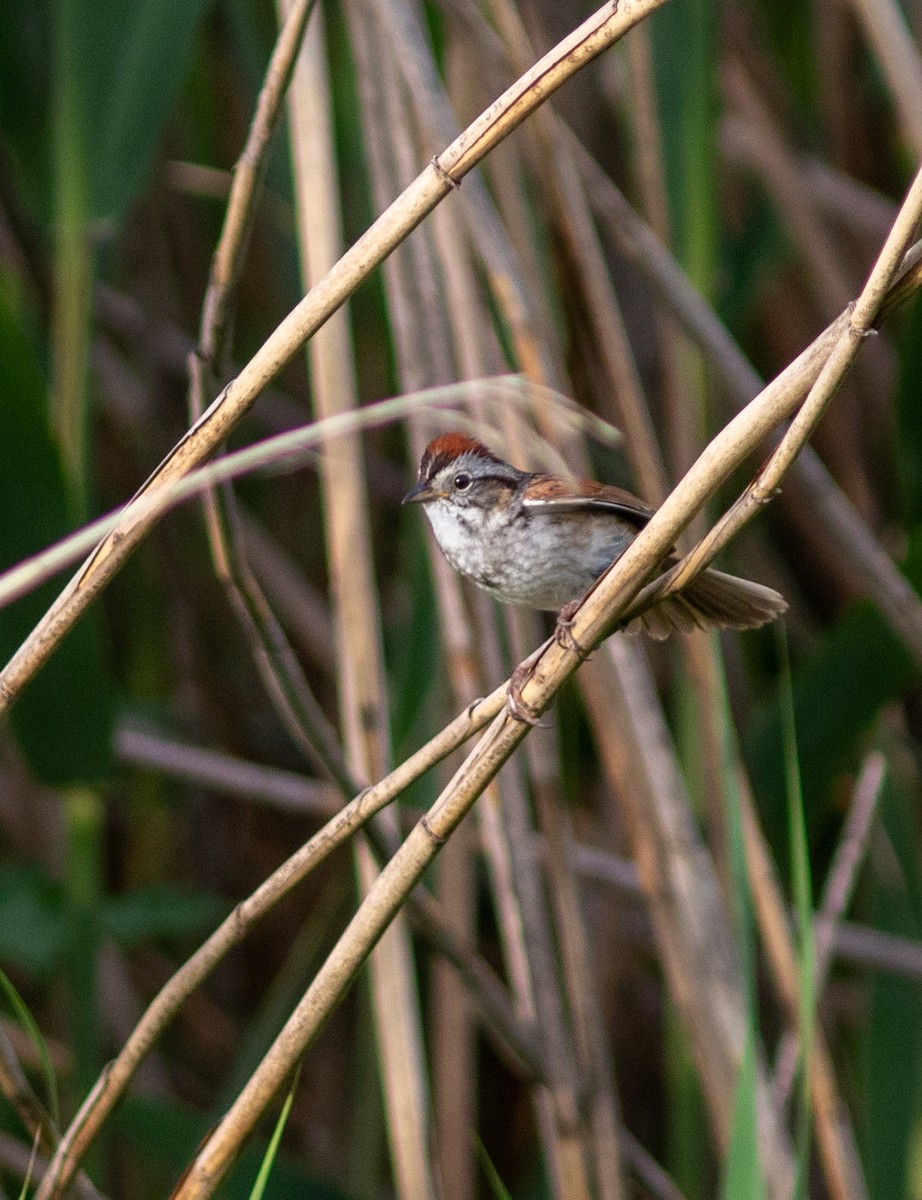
539	541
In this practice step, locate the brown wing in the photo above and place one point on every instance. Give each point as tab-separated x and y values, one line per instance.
562	495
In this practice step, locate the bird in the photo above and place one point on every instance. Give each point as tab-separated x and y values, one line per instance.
541	541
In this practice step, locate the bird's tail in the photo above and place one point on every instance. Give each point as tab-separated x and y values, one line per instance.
713	600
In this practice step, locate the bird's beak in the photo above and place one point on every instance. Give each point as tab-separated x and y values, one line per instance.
421	493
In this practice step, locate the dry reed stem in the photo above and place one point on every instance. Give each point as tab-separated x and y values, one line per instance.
418	301
112	1083
683	896
844	1174
578	1154
840	882
283	678
580	984
591	623
361	687
845	442
876	950
682	437
246	185
439	178
899	60
282	451
383	901
571	201
299	603
574	220
839	1155
413	57
423	354
840	523
285	791
291	792
860	321
847	860
28	1165
36	1120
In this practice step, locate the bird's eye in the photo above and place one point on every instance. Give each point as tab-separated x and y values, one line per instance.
462	481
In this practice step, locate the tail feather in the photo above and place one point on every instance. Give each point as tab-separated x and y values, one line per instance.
713	600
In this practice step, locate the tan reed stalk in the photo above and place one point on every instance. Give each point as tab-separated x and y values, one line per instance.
842	1166
432	185
837	892
683	896
111	1085
699	991
414	306
362	693
827	277
898	57
841	525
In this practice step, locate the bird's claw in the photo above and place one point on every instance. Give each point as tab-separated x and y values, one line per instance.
518	709
563	631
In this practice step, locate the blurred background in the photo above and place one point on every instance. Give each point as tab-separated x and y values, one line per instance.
149	777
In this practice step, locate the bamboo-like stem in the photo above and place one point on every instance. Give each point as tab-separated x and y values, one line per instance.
435	182
112	1083
383	901
361	687
284	680
898	56
285	450
841	524
246	185
423	354
842	1165
859	324
837	892
608	332
20	1095
593	621
683	896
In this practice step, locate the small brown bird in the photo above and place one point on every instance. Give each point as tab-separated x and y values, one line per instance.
536	540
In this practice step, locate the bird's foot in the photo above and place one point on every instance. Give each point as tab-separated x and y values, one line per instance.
563	630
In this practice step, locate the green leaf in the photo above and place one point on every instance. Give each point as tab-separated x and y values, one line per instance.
893	1025
132	60
63	719
27	1023
165	1134
494	1181
803	905
161	911
855	670
33	920
743	1178
125	63
265	1167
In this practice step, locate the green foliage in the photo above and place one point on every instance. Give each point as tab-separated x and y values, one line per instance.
163	912
32	925
118	67
34	917
892	1048
64	719
165	1134
24	1018
498	1189
743	1175
95	96
803	913
838	691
